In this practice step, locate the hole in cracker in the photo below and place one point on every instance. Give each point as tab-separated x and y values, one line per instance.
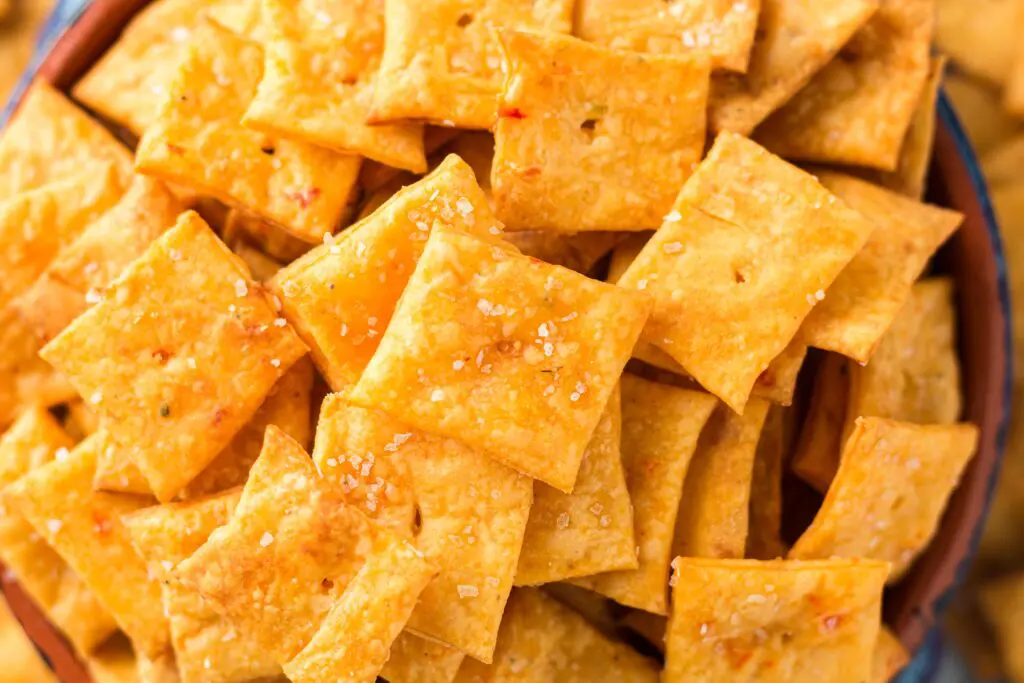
588	127
417	521
465	20
268	149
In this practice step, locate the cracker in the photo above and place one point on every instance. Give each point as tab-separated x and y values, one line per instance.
197	141
442	63
37	225
599	611
1002	601
1013	95
764	538
320	71
22	662
713	515
981	37
867	296
75	279
590	530
730	288
573	114
892	485
355	639
160	668
858	108
821	439
206	647
286	555
242	228
479	326
50	139
178	356
660	428
721	30
1008	202
116	472
472	515
794	40
418	660
341	295
80	422
773	621
625	253
889	658
374	176
33	441
85	529
113	662
25	378
544	641
979	111
1002	164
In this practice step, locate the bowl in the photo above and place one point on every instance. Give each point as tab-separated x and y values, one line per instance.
974	257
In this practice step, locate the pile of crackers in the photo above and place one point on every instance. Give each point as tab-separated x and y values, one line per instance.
489	340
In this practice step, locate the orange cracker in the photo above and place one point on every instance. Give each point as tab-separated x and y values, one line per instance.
85	528
723	30
542	640
858	108
80	422
36	225
1001	165
242	228
573	114
50	139
442	63
575	251
867	296
892	485
355	639
713	518
22	661
286	555
794	40
374	176
75	279
178	356
1002	601
25	378
821	439
116	472
465	511
764	539
206	647
889	658
341	295
775	621
508	354
320	71
981	37
418	660
660	428
590	530
197	141
113	662
33	441
160	668
730	287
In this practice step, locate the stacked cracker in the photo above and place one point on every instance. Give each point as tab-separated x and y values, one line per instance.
483	494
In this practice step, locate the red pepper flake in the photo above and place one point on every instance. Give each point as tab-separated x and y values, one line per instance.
218	417
176	149
161	356
101	523
511	113
530	172
304	197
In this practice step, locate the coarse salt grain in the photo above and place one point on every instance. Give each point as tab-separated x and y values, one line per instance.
54	525
563	521
61	454
280	322
437	395
467	591
458	364
672	216
167	565
266	539
241	289
276	362
96	397
93	296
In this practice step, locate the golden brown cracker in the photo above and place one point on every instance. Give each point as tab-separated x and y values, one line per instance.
764	539
242	228
1002	601
818	447
573	114
889	658
979	111
22	662
25	378
418	660
980	37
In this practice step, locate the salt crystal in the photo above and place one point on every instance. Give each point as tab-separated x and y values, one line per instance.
54	525
266	539
241	289
563	521
61	454
437	395
467	591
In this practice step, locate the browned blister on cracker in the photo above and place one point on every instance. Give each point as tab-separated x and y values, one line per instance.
730	286
893	482
572	115
198	141
776	621
179	355
511	355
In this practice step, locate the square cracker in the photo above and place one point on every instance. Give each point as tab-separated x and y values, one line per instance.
340	296
857	109
85	528
891	488
179	355
472	515
206	648
320	71
22	661
197	141
723	30
713	515
37	225
116	472
355	639
285	557
50	139
25	378
794	40
78	275
589	530
572	115
543	640
33	441
442	63
418	660
774	621
868	295
731	288
506	353
764	538
889	658
660	429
